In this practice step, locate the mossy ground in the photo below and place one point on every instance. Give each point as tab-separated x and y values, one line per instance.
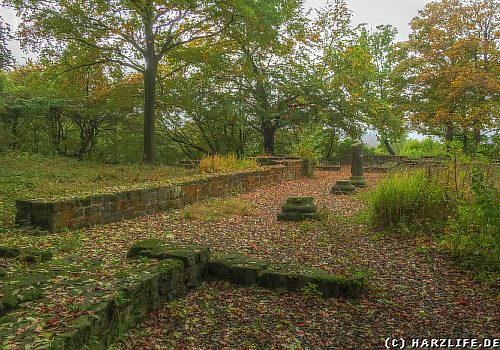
30	176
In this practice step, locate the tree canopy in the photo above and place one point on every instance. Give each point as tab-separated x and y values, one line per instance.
184	78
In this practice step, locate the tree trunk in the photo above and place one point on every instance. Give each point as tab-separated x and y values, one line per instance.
268	130
476	137
150	94
388	147
149	113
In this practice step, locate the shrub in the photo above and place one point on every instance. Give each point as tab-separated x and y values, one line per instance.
408	198
474	231
225	163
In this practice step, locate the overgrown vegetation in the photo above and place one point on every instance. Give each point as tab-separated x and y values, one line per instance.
409	198
33	176
414	148
473	232
225	163
461	200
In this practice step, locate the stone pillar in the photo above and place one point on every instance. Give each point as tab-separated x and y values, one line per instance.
307	168
357	171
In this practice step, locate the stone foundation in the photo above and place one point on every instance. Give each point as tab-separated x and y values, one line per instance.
107	208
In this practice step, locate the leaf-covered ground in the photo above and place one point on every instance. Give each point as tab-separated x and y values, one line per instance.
415	292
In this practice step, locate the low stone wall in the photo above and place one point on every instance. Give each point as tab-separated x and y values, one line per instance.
107	208
345	159
180	268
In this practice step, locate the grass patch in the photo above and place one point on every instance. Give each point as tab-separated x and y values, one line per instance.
26	176
226	164
218	208
408	198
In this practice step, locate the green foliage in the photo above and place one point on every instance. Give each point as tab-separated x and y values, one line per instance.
425	148
34	176
447	78
414	148
473	232
120	298
6	58
309	144
408	198
336	148
311	290
225	164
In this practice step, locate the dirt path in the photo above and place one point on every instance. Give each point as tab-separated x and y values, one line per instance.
415	292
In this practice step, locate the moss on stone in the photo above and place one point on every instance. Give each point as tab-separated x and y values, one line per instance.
296	216
33	255
235	268
299	208
300	200
157	249
358	181
295	277
343	187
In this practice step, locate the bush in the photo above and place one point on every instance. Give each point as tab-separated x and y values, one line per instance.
473	232
225	164
408	198
422	148
309	145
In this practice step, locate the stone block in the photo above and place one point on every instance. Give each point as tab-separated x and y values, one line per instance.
194	257
343	187
358	181
237	269
297	216
299	208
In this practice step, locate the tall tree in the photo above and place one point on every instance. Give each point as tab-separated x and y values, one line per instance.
6	58
449	68
382	101
137	34
264	68
340	69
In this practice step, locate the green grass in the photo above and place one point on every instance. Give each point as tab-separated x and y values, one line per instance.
409	198
218	208
25	176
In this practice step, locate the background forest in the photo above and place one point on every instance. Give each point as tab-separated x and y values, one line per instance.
126	81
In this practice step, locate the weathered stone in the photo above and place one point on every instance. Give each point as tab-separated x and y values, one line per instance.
107	208
343	187
357	159
357	169
308	168
193	257
358	181
297	216
33	255
293	278
3	272
237	269
299	208
300	200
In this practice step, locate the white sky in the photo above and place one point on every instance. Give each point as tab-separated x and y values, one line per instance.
399	13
